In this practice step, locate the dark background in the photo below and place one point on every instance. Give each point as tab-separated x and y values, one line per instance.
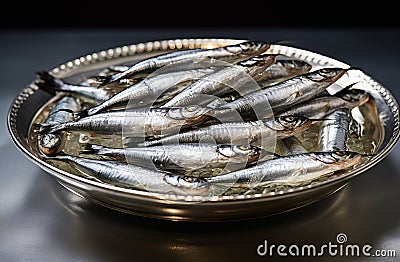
120	14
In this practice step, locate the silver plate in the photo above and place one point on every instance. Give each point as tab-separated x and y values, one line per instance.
218	208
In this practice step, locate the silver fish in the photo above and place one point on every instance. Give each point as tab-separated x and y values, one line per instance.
282	95
136	177
282	69
228	53
141	122
334	131
237	76
150	90
52	84
183	156
320	107
61	112
251	132
290	169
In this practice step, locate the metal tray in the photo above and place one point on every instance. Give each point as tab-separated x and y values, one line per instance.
218	208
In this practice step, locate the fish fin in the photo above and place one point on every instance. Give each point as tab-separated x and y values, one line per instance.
88	148
48	83
292	97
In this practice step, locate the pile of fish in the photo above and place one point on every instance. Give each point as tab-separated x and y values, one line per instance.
202	121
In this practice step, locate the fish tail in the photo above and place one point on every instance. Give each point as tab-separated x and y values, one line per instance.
49	83
110	79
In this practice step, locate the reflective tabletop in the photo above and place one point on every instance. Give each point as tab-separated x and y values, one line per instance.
42	221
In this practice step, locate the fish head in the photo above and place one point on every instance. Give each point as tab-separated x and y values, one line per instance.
188	184
51	144
248	48
327	74
342	159
291	124
190	112
356	96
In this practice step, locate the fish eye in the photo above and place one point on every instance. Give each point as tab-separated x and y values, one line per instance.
325	70
289	118
188	179
244	147
340	153
191	108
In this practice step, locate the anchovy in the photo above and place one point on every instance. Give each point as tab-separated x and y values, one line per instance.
289	169
334	131
153	89
53	84
251	132
61	112
228	53
283	69
320	107
136	177
237	76
141	122
183	156
284	94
